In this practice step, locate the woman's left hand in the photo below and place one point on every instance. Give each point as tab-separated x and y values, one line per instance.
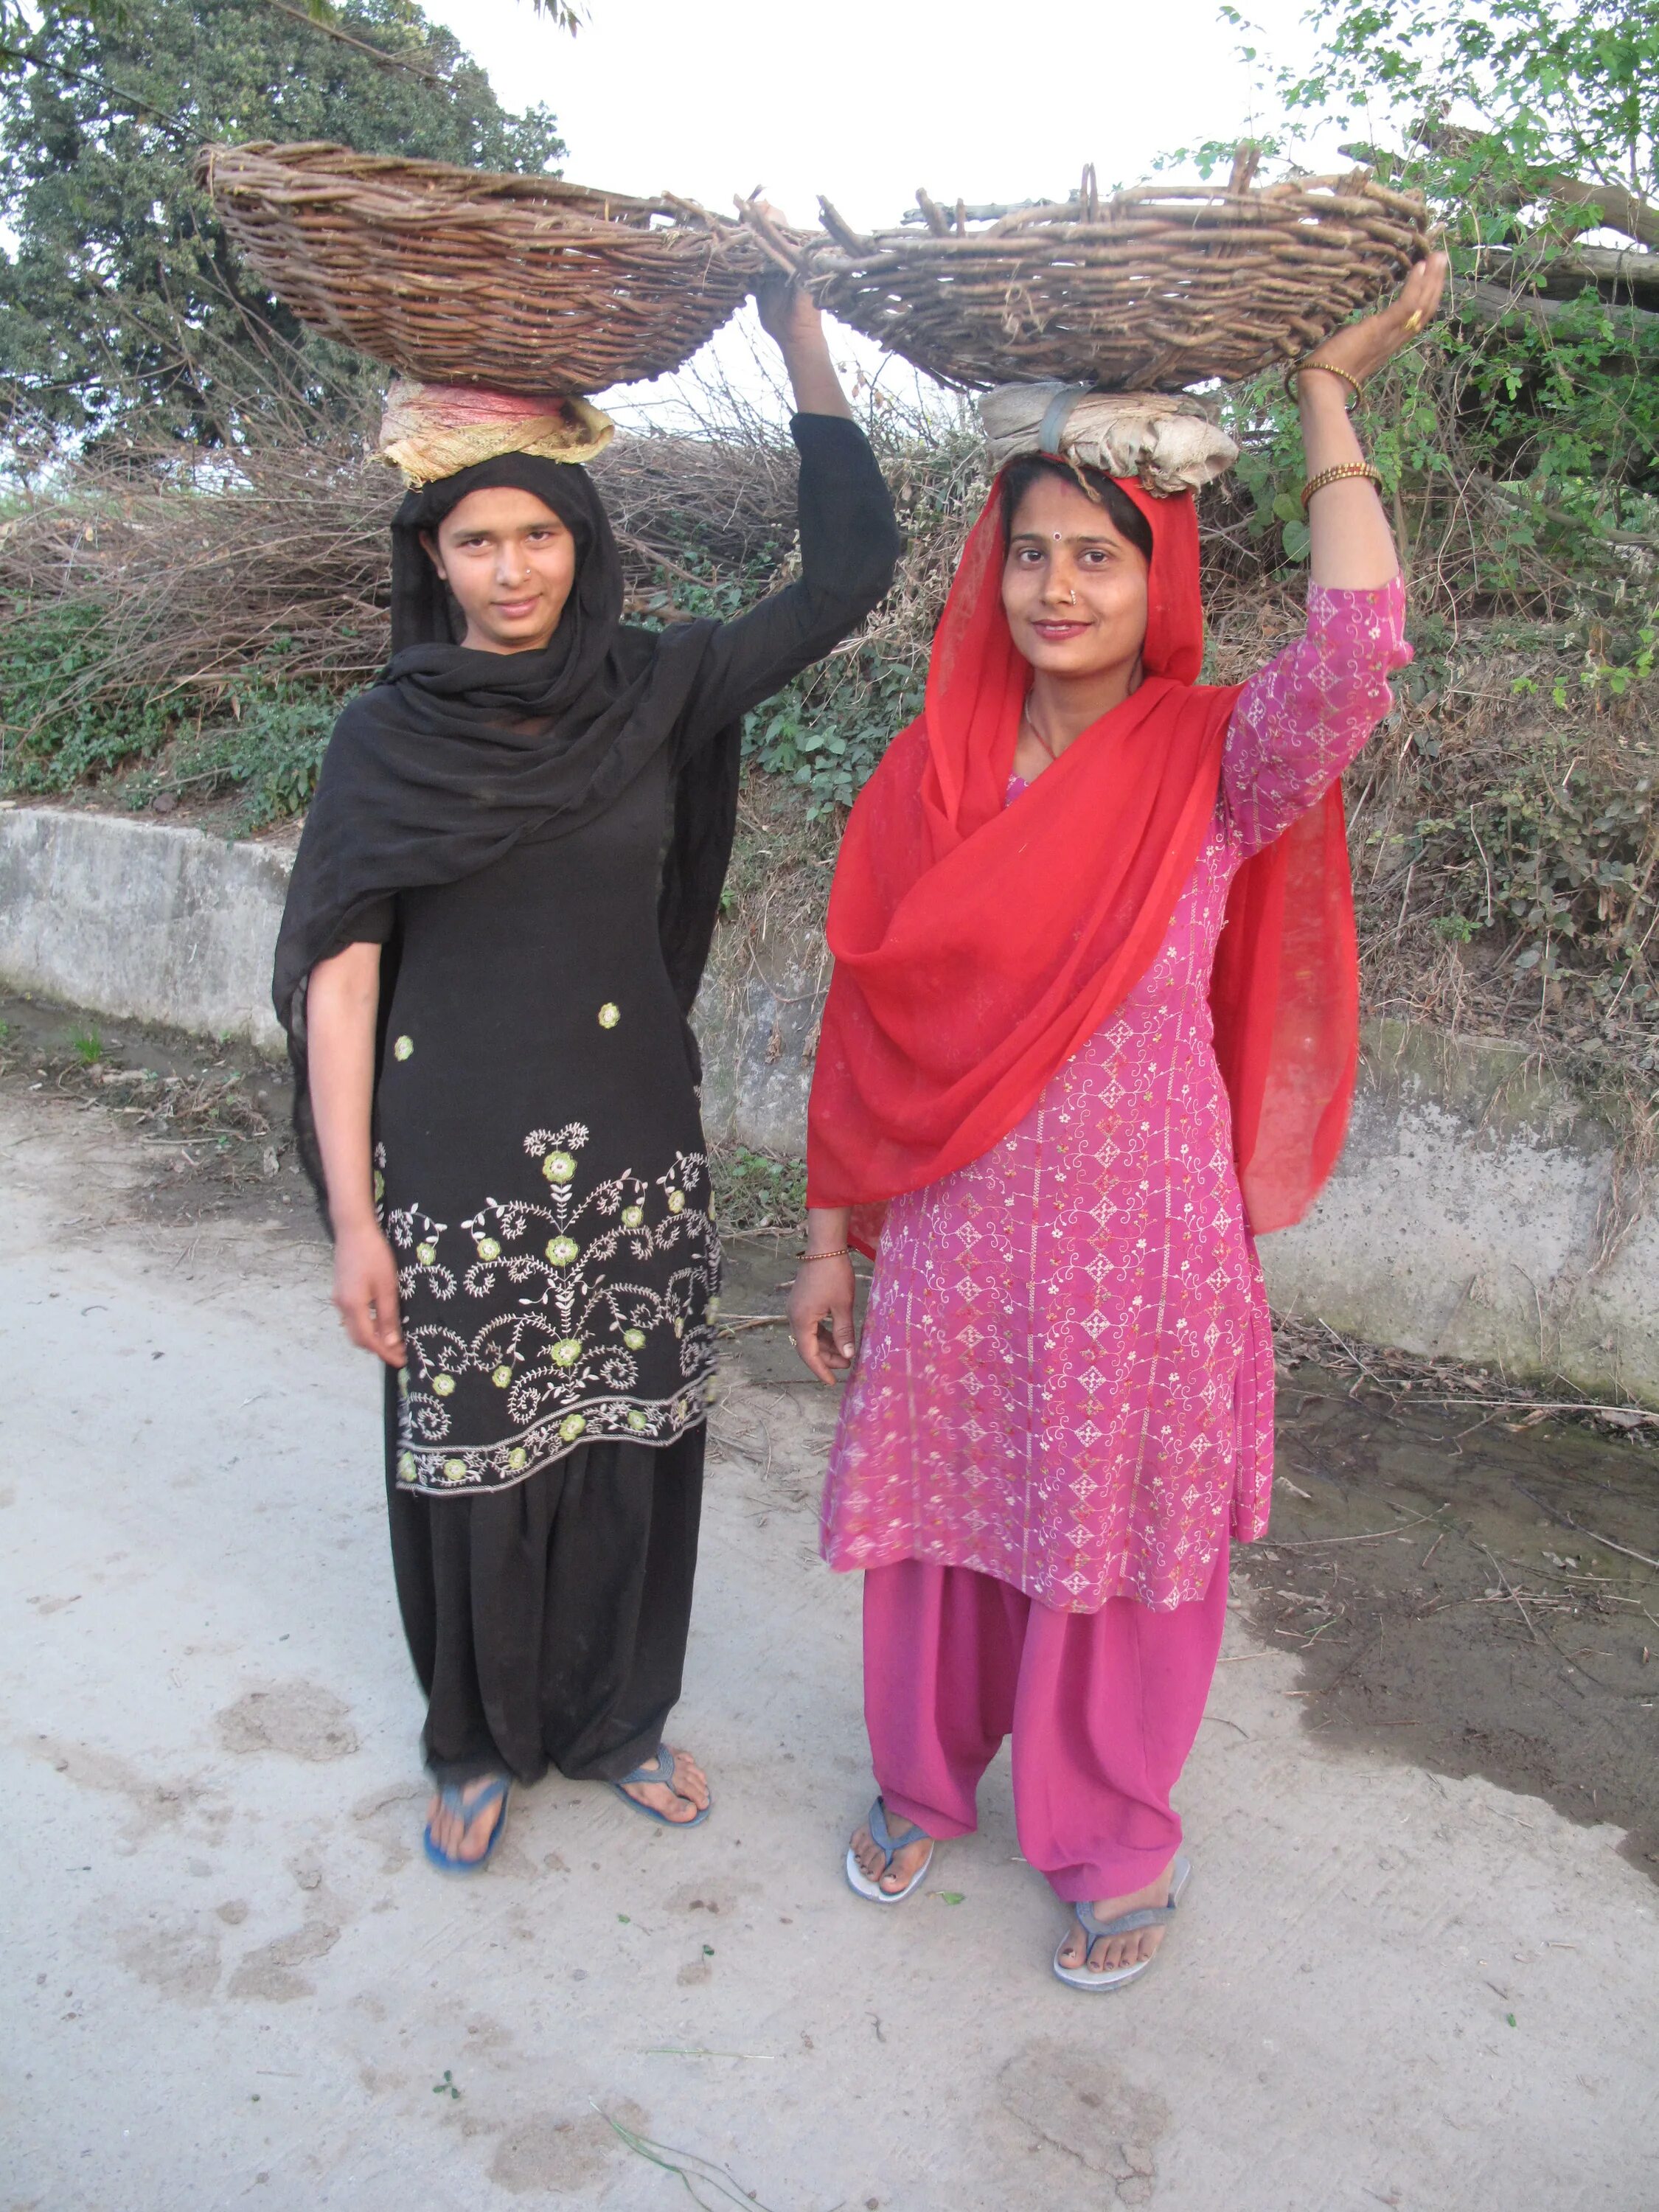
788	314
1363	347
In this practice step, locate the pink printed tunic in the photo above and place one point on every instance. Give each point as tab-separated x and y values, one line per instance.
1066	1379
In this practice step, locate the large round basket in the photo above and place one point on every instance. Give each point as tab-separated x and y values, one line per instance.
1148	290
458	276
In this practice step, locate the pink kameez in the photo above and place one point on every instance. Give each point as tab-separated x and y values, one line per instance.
1065	1380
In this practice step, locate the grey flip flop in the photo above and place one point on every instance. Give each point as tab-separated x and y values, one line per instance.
890	1847
661	1769
1124	1923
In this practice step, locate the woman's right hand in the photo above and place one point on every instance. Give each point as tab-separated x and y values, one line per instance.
366	1290
821	1317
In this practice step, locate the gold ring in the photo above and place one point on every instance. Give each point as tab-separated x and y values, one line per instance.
1414	322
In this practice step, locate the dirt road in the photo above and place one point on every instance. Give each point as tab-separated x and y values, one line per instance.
234	1980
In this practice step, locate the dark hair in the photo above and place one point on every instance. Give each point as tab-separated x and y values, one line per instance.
1125	517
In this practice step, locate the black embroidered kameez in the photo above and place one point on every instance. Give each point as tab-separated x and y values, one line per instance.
541	1171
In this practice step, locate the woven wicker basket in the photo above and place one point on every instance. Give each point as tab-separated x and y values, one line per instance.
1148	291
461	277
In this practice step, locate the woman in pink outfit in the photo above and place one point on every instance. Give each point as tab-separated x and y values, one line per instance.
1057	1104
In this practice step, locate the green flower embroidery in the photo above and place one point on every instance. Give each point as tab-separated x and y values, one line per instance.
679	1326
632	1216
501	1376
636	1419
442	1385
379	1186
454	1470
712	1308
518	1457
677	1201
406	1467
567	1351
634	1338
489	1248
402	1049
559	1167
610	1015
571	1427
561	1250
426	1253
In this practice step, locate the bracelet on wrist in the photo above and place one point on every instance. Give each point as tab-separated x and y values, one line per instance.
841	1251
1297	367
1340	474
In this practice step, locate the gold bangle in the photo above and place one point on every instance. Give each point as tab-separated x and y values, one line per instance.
1340	474
1330	370
841	1251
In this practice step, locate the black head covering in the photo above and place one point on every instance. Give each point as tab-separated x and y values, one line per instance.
454	755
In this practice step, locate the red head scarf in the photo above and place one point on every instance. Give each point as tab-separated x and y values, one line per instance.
979	945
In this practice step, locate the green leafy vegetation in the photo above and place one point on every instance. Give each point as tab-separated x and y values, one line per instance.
756	1190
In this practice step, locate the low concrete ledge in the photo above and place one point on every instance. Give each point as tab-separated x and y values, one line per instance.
1474	1211
140	922
1476	1214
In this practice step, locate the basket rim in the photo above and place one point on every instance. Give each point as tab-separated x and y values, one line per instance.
293	173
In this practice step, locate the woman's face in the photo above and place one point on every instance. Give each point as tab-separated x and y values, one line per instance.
510	562
1073	590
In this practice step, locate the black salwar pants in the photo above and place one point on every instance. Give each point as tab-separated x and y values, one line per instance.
548	1621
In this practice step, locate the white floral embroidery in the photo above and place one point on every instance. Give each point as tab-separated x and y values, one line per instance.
571	1352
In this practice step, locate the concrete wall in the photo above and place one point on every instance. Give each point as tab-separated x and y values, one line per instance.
1475	1212
143	922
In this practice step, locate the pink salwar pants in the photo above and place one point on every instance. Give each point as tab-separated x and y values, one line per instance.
1104	1708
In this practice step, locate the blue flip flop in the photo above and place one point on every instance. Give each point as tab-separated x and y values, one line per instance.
661	1769
450	1796
890	1846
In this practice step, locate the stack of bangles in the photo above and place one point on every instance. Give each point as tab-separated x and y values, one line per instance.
1343	470
841	1251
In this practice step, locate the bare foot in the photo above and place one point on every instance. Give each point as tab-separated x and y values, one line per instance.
456	1835
680	1800
1108	1953
906	1860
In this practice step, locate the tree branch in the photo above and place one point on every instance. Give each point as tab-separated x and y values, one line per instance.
1611	205
375	53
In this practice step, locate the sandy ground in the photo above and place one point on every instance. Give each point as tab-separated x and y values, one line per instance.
232	1980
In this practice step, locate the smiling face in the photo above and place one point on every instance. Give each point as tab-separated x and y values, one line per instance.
1073	588
510	562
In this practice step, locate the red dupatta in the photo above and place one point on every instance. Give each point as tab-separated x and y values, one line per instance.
978	945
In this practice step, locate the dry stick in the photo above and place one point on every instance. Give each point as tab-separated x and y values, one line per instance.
1567	1521
1371	1535
1510	1590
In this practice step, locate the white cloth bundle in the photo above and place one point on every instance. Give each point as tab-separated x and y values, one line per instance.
1167	439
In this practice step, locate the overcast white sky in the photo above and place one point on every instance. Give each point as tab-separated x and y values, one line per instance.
868	99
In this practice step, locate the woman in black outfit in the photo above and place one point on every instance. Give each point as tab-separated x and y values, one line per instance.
498	919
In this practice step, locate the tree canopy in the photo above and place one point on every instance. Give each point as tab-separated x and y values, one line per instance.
121	294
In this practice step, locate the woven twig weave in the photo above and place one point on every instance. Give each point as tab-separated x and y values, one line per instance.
458	276
1149	291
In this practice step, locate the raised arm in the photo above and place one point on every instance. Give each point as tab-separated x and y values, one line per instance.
1307	715
850	538
1353	547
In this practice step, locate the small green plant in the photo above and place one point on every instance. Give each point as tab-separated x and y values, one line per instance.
88	1047
756	1190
